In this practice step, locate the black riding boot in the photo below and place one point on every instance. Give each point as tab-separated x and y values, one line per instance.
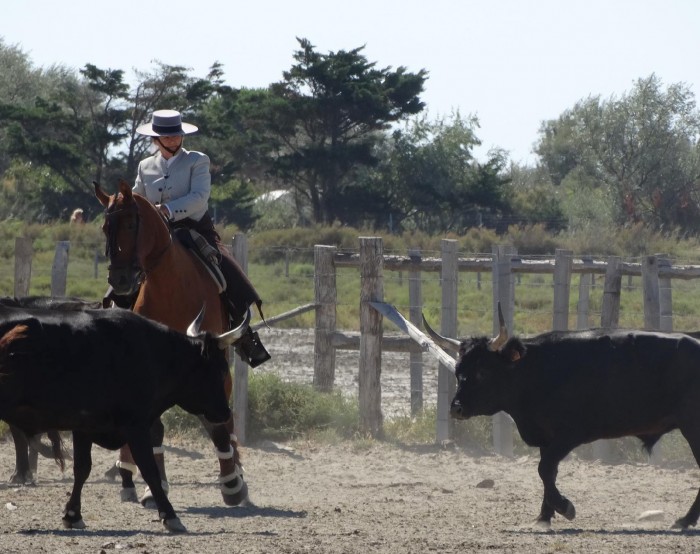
250	349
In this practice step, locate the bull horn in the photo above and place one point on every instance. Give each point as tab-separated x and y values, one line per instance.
227	339
193	329
502	337
451	345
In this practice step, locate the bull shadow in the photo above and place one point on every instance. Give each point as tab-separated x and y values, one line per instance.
571	532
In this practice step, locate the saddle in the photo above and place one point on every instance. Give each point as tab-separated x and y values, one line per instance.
207	255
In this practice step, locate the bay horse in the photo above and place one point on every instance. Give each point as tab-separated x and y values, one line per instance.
172	286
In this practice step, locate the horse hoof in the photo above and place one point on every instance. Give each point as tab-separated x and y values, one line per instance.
174	525
543	524
129	494
71	521
236	498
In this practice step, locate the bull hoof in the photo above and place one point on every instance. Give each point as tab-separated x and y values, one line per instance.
112	473
128	494
73	521
22	479
570	512
682	523
174	525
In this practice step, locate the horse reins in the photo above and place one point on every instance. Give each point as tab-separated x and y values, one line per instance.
111	247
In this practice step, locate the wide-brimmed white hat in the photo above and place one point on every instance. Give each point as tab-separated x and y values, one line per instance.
166	123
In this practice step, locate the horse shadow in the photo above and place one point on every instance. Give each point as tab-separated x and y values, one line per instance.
246	510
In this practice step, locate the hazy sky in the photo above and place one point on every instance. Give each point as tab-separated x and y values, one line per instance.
511	63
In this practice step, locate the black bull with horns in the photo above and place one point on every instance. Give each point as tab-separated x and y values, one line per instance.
76	370
567	388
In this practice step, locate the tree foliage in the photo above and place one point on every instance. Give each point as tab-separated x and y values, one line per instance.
642	148
325	117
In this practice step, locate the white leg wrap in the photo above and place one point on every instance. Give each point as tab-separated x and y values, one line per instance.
148	494
128	466
234	437
225	455
237	472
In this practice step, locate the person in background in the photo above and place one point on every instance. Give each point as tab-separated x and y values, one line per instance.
77	216
178	182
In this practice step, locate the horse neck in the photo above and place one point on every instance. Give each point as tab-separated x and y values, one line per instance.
175	290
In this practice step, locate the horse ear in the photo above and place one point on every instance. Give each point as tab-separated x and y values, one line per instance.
100	194
124	188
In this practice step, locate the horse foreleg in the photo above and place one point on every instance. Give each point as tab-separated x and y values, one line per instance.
234	489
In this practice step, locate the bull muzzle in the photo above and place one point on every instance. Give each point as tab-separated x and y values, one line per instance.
456	410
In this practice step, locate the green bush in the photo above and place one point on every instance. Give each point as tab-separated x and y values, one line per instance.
278	410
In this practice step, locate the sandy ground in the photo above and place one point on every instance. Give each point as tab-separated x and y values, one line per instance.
352	498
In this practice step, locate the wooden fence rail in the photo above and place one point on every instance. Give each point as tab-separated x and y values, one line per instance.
505	266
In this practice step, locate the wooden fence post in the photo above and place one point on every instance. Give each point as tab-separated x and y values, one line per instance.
609	319
585	285
610	310
325	296
447	383
415	300
239	248
563	262
23	266
59	269
371	330
503	293
650	289
665	296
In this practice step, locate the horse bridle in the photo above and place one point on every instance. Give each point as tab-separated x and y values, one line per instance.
128	272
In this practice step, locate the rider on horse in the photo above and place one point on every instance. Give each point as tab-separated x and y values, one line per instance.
178	182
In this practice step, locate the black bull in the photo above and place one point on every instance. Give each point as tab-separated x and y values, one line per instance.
106	375
564	389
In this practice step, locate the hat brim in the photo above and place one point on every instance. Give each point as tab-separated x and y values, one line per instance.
147	129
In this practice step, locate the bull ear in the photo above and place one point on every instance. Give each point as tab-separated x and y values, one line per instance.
227	339
100	194
193	329
502	337
451	345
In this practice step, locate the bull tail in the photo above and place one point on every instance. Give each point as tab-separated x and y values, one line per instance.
56	450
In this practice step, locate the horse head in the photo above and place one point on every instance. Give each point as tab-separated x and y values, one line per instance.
132	245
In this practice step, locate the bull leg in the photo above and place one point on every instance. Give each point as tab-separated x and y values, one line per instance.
692	435
140	446
553	501
22	474
82	464
157	434
234	489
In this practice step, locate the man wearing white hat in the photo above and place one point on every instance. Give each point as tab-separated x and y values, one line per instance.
178	182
